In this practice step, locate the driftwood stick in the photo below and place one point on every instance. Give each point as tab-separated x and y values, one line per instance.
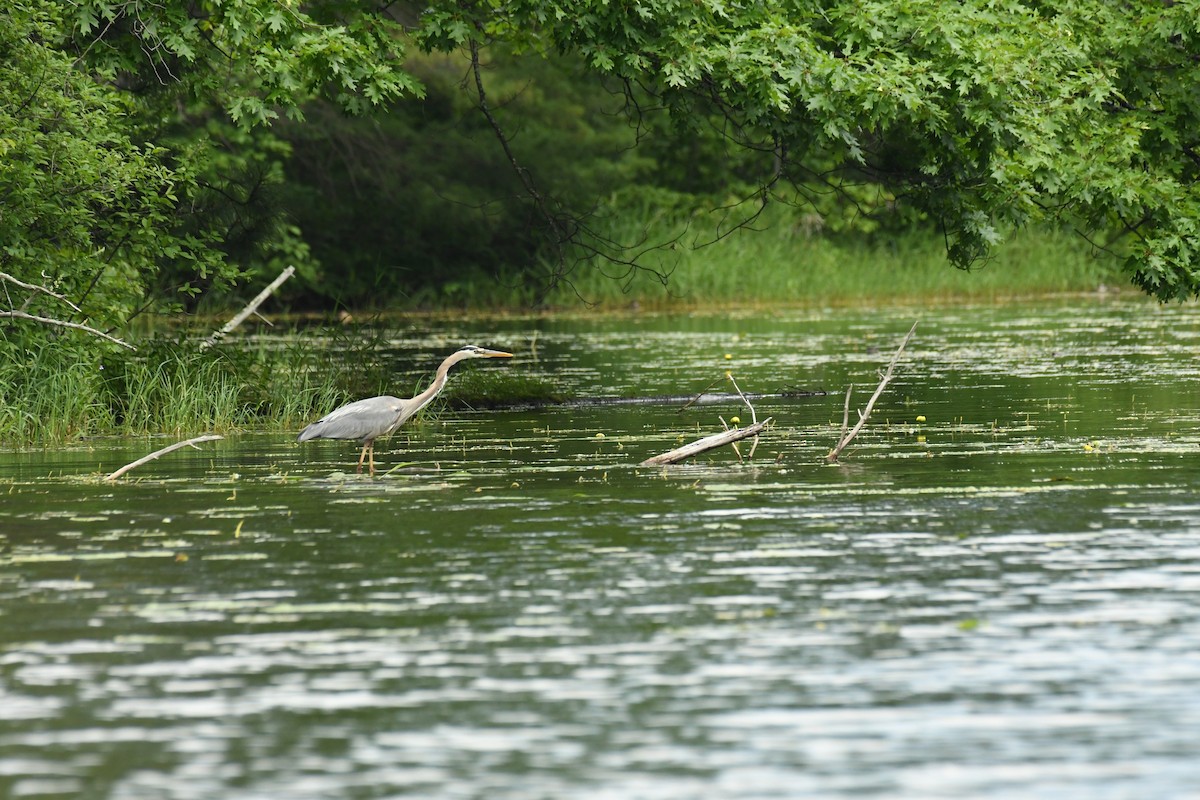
707	443
192	442
866	412
250	308
4	276
64	324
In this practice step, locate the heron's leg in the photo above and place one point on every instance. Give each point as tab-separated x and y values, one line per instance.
363	455
371	458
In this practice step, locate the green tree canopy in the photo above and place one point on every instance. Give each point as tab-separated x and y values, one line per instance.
81	203
138	148
985	115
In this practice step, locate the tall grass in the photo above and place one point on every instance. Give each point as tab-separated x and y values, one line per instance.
58	393
174	390
780	260
48	394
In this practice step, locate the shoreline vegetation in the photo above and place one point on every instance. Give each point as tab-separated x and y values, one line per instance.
784	266
62	393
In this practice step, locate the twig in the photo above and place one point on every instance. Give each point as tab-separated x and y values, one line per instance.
866	412
737	450
753	416
35	287
192	442
250	308
846	413
699	394
64	324
707	443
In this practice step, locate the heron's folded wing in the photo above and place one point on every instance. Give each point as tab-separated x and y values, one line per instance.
362	419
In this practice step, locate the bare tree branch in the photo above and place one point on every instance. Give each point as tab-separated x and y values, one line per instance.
866	412
250	308
846	413
208	437
64	324
707	443
36	288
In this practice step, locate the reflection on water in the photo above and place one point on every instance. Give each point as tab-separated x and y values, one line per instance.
1000	601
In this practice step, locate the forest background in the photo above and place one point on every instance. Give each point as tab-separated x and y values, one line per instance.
159	160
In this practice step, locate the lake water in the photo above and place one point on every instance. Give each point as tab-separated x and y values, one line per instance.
1000	601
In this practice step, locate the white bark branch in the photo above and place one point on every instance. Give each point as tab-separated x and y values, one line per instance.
64	324
4	276
753	416
250	308
846	413
866	412
707	443
190	442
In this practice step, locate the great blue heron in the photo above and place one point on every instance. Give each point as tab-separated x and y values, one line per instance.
367	420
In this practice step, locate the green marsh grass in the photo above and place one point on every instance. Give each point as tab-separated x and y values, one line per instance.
783	262
57	394
175	389
50	394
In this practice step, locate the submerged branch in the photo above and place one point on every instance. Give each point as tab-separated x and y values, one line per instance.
144	459
866	412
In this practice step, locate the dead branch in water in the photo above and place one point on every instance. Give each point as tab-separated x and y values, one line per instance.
695	399
190	442
250	308
707	443
731	436
863	415
753	419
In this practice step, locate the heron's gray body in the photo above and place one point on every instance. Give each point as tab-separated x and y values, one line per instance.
362	420
367	420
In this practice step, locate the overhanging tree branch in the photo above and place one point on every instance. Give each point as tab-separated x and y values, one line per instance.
567	229
64	324
4	276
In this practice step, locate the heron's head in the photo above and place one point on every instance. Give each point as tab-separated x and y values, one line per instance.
472	351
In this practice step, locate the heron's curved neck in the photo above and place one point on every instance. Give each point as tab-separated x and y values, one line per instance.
439	380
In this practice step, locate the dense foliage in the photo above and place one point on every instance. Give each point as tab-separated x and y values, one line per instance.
977	117
84	204
985	116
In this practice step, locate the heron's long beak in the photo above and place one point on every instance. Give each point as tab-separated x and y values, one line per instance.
495	353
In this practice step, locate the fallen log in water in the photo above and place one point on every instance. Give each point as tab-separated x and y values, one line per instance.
707	443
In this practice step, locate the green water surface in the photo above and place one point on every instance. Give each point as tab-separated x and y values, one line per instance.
1002	600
